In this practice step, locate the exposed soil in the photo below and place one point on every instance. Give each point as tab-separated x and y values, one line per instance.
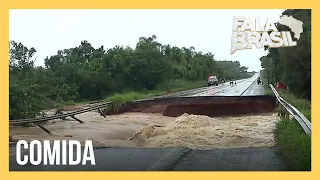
212	106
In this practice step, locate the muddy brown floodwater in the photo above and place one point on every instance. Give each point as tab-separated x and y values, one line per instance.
156	130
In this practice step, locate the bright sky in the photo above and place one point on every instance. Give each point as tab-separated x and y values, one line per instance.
207	30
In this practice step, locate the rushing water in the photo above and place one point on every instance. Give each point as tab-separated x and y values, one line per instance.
155	130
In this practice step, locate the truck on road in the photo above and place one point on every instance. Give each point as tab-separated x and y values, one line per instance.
212	80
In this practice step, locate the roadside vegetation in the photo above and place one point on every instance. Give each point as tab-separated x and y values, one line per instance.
294	144
292	66
173	86
84	73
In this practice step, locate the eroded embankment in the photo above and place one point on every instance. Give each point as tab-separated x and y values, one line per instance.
212	106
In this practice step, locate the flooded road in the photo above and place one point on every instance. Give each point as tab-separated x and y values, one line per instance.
110	131
203	132
156	130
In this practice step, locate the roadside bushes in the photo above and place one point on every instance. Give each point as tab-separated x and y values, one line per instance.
86	73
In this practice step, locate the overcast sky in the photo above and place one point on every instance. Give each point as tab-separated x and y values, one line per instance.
207	30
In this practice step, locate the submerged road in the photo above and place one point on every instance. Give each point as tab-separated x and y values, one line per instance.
177	159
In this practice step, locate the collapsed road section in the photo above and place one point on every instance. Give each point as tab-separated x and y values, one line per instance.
202	105
178	128
144	123
167	134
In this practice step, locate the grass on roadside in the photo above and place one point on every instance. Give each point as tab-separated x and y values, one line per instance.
294	144
125	97
304	106
174	86
267	90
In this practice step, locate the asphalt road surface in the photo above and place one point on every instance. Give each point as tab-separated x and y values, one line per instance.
168	159
242	87
178	159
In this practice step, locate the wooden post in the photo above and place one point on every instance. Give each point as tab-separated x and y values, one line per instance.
43	128
77	119
101	113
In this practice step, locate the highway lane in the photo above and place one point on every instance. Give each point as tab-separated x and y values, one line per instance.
111	159
224	89
253	90
167	159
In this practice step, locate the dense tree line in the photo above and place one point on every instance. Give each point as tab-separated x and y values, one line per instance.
86	73
292	65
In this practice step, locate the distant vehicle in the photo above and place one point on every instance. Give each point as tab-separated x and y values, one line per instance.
259	81
213	80
281	86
